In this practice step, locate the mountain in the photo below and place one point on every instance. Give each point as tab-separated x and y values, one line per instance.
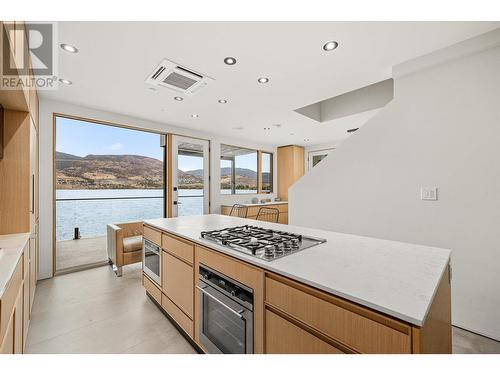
64	156
243	172
108	172
134	172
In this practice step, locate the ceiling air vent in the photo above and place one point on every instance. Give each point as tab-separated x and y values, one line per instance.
175	77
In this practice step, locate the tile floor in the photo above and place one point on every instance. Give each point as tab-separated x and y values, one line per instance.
93	311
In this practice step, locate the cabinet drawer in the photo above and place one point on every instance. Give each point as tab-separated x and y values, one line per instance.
152	235
151	288
284	337
176	314
183	249
178	282
363	330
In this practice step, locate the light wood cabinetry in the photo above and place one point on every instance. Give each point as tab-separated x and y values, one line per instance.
19	190
7	345
26	307
284	337
178	315
15	179
290	317
178	282
19	323
15	308
290	168
351	326
176	295
151	288
152	235
180	248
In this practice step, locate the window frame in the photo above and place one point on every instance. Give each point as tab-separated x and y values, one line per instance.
260	190
259	171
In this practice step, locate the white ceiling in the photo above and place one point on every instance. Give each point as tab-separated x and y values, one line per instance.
115	57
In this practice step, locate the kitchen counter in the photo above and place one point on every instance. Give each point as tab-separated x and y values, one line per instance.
11	246
272	203
395	278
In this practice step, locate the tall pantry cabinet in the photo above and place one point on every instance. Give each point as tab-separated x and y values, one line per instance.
19	192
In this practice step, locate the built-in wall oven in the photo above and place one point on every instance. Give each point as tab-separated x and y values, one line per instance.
151	262
226	316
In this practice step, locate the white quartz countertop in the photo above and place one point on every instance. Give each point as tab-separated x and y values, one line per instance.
272	203
11	246
396	278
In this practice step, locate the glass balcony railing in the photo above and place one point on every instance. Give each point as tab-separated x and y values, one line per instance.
190	205
92	214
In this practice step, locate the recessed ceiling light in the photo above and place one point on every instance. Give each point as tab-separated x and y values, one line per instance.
330	46
65	81
69	48
194	115
277	125
178	98
223	101
306	139
292	133
230	60
263	80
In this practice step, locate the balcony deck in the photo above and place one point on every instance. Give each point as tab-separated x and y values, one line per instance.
82	252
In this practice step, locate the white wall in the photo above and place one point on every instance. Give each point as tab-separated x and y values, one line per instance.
48	107
442	129
320	147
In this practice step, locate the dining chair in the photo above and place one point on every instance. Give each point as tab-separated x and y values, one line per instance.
268	214
238	210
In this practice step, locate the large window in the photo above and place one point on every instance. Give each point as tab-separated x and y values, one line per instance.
240	172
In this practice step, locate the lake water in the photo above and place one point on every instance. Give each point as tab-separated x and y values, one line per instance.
92	216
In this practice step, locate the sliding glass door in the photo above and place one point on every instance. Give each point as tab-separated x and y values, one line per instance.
104	175
190	176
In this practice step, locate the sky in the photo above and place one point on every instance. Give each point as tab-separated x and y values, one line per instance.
82	138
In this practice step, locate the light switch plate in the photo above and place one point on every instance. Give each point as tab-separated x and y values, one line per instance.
428	193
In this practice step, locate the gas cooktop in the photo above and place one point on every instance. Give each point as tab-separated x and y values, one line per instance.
267	244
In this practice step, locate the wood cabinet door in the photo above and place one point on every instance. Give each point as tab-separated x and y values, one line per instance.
26	306
32	270
33	176
284	337
178	282
18	323
7	346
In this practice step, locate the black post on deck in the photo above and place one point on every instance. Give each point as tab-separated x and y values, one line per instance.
77	236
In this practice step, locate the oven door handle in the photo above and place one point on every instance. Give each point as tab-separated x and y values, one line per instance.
237	313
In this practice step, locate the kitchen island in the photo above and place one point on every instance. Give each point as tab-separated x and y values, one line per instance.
351	294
